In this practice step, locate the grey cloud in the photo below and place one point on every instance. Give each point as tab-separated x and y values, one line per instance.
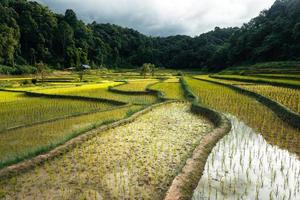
164	17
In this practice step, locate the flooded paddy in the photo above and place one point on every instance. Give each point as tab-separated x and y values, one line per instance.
243	165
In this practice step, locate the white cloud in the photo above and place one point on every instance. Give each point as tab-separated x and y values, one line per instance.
165	17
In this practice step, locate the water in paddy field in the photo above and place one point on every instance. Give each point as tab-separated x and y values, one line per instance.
244	166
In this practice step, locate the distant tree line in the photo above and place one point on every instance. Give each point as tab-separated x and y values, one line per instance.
30	33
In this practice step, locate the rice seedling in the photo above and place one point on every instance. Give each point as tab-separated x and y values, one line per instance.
10	96
257	116
278	76
136	85
286	96
78	88
170	88
284	82
16	109
227	81
135	161
28	141
252	180
101	91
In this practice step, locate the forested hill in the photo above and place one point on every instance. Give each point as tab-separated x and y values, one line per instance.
31	33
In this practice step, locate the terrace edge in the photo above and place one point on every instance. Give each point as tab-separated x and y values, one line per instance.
286	85
290	117
67	146
187	180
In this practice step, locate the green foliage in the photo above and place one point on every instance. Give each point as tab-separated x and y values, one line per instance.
31	33
17	70
284	67
147	68
271	36
34	81
9	35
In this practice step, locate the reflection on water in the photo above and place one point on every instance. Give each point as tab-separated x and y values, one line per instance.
244	166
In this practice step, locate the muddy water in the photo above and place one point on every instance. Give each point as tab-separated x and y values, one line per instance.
243	165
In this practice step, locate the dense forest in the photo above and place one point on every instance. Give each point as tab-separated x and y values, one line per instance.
31	33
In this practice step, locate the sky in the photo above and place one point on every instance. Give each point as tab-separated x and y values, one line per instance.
164	17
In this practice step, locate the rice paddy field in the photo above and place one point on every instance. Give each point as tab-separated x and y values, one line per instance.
101	91
171	88
256	115
16	109
140	158
135	161
19	144
256	79
287	96
136	85
246	166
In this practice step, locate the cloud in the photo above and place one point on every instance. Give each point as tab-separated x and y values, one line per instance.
164	17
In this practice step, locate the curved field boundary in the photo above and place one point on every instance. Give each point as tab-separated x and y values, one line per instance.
64	117
29	164
284	113
116	90
60	96
35	94
275	76
186	182
161	95
15	91
294	86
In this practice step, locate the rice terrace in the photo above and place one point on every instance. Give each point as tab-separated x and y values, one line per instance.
92	110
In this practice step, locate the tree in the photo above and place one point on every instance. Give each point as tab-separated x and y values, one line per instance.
65	36
8	45
9	36
152	69
41	69
72	57
30	32
147	68
71	18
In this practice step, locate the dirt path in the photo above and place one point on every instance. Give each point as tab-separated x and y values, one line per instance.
135	161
